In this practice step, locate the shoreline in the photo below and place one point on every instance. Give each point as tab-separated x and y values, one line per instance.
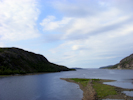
89	93
26	74
30	74
34	73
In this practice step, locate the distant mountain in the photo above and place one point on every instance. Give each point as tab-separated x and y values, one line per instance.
76	68
18	61
105	67
126	63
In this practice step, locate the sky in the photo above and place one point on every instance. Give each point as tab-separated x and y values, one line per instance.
74	33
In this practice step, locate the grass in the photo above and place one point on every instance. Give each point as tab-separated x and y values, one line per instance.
82	81
102	90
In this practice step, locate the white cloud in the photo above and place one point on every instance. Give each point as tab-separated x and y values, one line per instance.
49	23
18	19
83	27
76	47
88	32
107	32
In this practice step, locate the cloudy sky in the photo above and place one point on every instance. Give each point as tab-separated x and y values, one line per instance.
74	33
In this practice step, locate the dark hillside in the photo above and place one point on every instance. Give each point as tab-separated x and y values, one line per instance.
18	61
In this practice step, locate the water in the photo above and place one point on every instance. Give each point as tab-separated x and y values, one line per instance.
128	93
38	87
50	87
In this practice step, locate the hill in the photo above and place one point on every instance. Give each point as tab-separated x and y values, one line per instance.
105	67
125	63
18	61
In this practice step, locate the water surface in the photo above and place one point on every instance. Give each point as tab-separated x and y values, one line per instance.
50	87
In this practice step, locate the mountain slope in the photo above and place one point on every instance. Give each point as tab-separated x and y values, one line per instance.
104	67
16	61
126	63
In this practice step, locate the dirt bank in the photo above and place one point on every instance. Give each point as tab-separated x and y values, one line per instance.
90	94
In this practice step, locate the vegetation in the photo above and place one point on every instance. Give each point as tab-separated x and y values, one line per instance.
84	82
109	67
81	81
126	63
103	90
9	72
18	61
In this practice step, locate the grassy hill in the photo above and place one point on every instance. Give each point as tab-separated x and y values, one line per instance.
18	61
125	63
105	67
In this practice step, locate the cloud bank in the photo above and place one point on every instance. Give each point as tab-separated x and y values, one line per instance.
75	33
18	19
92	29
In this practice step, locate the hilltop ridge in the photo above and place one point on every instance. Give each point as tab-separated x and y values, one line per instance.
125	63
18	61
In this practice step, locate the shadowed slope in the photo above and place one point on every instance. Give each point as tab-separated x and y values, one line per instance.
16	61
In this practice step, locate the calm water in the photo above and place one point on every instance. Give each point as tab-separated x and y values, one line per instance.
50	87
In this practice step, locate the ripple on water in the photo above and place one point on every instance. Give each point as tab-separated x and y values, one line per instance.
128	93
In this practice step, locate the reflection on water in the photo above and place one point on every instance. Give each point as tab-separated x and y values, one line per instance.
51	87
123	84
128	93
38	87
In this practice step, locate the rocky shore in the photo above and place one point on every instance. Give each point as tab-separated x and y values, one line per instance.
89	93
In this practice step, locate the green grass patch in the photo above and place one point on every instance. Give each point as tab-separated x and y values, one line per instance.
95	80
81	81
84	82
103	90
